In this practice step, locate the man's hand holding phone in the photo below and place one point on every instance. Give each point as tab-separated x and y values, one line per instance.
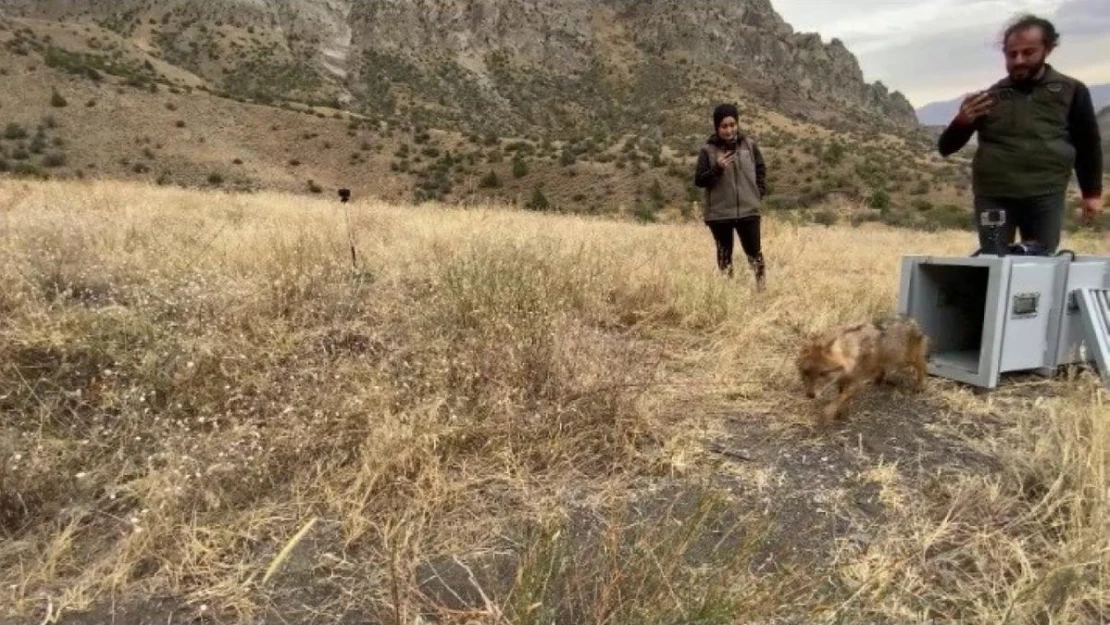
975	106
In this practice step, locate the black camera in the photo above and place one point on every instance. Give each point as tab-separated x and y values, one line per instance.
344	195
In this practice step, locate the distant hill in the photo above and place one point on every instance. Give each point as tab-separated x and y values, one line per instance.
941	113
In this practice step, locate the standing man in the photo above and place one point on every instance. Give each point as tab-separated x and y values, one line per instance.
1035	126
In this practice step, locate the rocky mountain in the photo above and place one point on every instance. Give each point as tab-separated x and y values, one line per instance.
593	106
941	113
547	67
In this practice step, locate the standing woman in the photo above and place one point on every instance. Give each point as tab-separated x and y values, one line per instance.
731	171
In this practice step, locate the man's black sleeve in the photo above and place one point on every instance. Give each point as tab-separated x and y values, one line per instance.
760	170
1083	128
706	174
955	137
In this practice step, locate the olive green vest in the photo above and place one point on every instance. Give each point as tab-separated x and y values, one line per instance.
736	193
1024	149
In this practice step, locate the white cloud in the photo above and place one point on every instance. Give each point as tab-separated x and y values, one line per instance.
939	49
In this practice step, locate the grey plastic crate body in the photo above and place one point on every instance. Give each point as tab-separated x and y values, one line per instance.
990	315
1094	304
1085	272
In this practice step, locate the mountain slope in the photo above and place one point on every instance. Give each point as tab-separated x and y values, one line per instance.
557	67
941	113
236	96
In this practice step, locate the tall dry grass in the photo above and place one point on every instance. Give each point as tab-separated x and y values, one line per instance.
203	400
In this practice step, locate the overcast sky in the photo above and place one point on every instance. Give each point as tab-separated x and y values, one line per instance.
939	49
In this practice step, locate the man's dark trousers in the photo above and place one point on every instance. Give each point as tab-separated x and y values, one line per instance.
1039	218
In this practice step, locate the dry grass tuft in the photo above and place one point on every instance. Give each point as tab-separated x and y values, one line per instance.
495	416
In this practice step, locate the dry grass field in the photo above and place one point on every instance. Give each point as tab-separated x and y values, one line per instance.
208	413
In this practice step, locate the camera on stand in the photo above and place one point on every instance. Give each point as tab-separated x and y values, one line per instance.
992	225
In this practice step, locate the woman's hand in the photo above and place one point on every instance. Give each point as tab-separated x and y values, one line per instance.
725	159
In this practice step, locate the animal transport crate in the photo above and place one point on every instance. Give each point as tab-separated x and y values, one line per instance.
989	315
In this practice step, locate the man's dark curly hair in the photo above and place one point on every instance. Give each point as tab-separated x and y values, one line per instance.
1028	20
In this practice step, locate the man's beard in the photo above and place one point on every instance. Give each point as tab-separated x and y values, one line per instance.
1030	73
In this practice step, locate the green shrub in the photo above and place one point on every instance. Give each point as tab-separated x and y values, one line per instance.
655	193
951	216
54	159
833	154
26	170
14	131
57	101
38	143
644	213
880	199
520	168
781	202
489	181
538	201
825	217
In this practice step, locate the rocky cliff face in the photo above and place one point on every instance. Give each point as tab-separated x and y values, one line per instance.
543	66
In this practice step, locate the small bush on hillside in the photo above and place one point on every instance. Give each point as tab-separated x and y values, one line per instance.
489	181
38	143
520	168
825	217
644	213
54	159
655	193
776	202
57	101
14	131
880	199
215	179
951	216
538	201
314	188
26	170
